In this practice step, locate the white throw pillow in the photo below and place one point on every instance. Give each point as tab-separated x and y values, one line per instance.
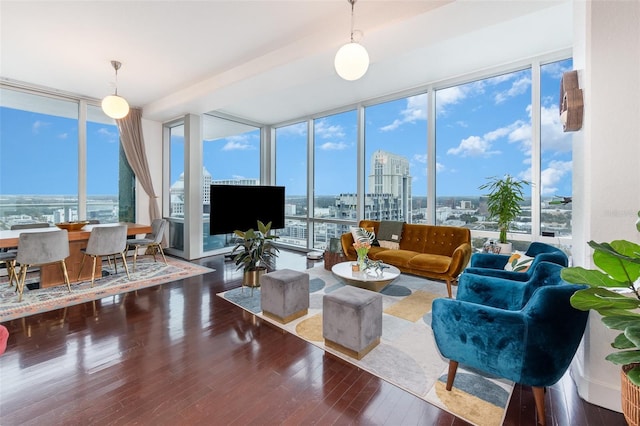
389	244
518	262
363	235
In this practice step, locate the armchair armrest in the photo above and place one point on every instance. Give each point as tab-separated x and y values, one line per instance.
478	336
459	259
487	260
499	273
491	291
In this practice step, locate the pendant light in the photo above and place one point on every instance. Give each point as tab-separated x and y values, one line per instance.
352	60
113	105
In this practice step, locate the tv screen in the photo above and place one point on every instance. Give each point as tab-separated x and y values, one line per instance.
241	206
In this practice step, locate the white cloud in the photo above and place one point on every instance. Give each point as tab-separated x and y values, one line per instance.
63	135
299	129
416	110
440	167
553	174
333	146
552	136
473	146
328	132
237	143
37	125
518	87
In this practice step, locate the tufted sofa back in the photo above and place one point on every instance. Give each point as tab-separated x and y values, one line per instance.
434	239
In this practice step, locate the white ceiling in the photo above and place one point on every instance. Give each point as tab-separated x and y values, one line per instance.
264	60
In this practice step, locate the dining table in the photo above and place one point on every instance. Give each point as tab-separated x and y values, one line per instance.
51	275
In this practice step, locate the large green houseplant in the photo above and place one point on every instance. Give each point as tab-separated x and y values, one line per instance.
255	252
503	201
619	263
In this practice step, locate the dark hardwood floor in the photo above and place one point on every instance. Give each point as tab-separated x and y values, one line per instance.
176	354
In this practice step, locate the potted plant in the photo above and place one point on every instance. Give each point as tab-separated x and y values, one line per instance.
614	293
503	202
255	253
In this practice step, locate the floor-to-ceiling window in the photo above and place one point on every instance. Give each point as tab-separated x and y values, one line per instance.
42	170
483	130
335	174
176	186
479	128
396	160
291	143
230	156
556	158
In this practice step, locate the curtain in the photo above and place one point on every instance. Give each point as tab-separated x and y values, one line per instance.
130	128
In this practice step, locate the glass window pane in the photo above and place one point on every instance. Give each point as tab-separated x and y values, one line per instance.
176	190
231	156
291	172
38	159
483	129
103	154
395	160
556	157
335	173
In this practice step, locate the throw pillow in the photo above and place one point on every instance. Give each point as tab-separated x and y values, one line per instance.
363	235
389	244
518	262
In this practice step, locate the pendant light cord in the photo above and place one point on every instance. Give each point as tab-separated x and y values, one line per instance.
353	2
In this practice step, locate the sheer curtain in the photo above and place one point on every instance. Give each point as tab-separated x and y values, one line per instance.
132	141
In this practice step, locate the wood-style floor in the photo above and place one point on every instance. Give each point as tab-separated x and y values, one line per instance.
177	354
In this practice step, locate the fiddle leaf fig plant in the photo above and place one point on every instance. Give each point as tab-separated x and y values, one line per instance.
503	201
614	293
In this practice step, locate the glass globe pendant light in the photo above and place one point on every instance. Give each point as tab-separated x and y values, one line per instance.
352	60
113	105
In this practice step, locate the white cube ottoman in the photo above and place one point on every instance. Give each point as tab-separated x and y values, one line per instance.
352	320
284	295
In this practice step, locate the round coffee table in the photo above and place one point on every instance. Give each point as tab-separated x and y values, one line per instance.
368	279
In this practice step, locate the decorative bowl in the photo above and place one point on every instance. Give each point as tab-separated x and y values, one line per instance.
72	226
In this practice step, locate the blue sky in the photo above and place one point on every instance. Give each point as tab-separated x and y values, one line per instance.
483	129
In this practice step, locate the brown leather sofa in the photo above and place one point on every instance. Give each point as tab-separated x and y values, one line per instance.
431	251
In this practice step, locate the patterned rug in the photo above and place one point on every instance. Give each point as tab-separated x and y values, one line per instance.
148	273
407	355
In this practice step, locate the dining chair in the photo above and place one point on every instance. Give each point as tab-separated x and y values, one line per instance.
106	241
152	241
42	248
9	259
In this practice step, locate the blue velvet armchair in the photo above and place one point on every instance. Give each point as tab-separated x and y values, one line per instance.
493	264
530	341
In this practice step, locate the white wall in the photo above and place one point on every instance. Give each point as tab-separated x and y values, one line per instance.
606	178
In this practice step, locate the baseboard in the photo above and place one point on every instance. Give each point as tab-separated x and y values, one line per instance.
598	393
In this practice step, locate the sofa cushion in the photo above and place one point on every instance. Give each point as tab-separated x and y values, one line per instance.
398	258
430	262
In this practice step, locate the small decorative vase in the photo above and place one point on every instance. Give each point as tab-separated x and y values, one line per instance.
362	262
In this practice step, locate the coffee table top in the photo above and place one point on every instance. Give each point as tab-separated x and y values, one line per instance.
368	279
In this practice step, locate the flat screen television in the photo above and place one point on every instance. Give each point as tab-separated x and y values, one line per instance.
241	206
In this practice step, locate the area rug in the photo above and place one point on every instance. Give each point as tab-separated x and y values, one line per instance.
407	355
148	273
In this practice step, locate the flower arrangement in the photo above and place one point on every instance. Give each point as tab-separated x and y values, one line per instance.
362	248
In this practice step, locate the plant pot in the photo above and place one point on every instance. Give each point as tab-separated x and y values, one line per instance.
251	278
505	248
630	396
